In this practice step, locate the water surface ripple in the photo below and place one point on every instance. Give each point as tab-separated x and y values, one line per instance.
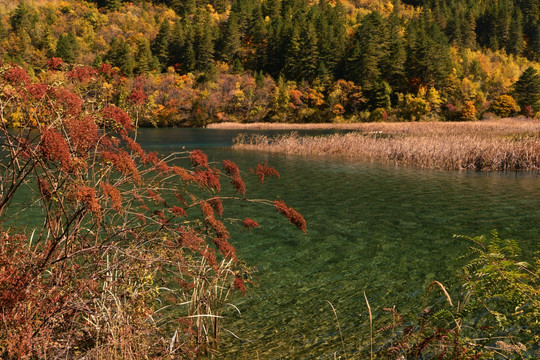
376	228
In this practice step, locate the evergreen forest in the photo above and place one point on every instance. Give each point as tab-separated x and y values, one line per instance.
201	61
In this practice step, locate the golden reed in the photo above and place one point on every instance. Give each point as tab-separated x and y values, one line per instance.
506	144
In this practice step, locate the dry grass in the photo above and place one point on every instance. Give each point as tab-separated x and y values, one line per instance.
507	144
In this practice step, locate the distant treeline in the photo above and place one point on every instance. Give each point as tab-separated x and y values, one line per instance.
411	60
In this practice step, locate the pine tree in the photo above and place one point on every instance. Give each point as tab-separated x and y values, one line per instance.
469	31
204	48
353	72
278	41
332	37
183	7
485	29
241	10
24	47
121	56
428	57
531	27
160	44
231	40
503	23
393	65
237	68
440	14
258	34
526	89
454	29
369	64
23	18
533	46
370	47
67	47
190	60
145	60
177	43
515	37
183	45
271	8
379	95
309	54
281	98
292	65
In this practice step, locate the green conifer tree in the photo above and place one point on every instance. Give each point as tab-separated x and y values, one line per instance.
121	56
292	66
332	36
145	60
204	48
309	54
258	34
428	57
177	43
160	44
370	48
231	40
278	41
533	46
67	47
515	42
393	65
271	8
237	68
23	17
531	27
22	53
469	31
190	56
526	89
379	95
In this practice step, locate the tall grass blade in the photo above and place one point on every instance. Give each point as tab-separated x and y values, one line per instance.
339	328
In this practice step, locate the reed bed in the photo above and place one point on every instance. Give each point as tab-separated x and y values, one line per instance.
502	145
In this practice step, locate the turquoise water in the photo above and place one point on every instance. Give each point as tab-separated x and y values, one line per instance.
379	229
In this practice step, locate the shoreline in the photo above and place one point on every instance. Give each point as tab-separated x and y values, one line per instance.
288	126
369	126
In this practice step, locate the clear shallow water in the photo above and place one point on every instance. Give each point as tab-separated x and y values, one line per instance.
375	228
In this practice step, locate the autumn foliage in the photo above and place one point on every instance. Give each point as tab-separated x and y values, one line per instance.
122	254
285	61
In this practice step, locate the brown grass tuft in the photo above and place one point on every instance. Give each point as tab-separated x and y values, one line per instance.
507	144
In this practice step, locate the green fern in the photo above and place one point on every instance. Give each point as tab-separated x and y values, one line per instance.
497	315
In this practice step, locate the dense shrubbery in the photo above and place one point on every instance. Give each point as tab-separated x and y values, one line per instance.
126	255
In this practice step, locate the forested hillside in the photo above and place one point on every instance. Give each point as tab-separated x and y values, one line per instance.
199	61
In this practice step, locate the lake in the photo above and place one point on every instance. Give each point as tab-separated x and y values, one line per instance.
373	228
